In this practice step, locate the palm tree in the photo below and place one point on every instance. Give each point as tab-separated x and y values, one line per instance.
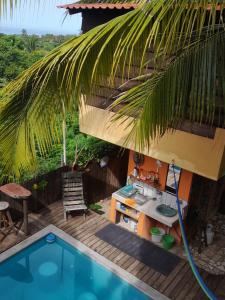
30	43
184	39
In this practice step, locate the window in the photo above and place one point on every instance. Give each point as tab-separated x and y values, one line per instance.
170	184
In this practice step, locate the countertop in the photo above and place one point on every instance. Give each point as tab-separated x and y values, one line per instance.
149	209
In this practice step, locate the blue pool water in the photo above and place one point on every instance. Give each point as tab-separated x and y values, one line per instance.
60	272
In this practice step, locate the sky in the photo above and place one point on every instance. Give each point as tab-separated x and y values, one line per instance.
46	18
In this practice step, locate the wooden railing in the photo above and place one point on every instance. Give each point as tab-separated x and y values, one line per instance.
99	183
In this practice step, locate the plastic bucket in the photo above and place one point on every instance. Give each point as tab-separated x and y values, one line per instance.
168	241
157	234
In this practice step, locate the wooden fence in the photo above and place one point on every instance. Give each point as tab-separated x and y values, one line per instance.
41	197
99	183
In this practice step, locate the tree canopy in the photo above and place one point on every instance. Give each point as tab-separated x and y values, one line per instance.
19	52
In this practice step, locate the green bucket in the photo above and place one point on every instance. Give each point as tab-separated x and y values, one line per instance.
155	231
168	241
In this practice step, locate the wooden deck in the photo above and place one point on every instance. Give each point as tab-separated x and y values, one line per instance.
180	284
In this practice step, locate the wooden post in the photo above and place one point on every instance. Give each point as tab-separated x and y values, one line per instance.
64	141
144	225
64	133
25	217
112	215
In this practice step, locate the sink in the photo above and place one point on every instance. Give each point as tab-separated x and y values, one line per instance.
130	192
166	210
127	191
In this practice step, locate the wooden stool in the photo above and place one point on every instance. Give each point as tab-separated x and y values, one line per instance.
17	191
5	216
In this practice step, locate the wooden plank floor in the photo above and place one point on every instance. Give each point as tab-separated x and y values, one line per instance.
179	284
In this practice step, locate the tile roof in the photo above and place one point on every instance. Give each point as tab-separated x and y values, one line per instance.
79	6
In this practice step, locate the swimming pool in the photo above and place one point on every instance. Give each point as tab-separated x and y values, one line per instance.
64	270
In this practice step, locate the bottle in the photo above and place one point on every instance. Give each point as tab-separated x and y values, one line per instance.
135	172
209	234
129	181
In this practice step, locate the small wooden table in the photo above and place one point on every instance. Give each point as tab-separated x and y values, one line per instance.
17	191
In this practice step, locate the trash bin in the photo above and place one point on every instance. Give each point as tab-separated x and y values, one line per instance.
157	234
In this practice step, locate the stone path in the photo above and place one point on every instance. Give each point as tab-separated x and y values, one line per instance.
212	258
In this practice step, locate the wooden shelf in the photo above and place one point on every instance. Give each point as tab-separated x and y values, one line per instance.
126	226
135	217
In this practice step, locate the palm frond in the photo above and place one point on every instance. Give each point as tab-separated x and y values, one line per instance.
34	99
190	88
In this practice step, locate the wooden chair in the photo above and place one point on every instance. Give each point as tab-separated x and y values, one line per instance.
73	196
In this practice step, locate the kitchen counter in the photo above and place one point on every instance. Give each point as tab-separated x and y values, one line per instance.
149	208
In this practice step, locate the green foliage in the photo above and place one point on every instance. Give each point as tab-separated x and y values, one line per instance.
41	185
91	149
18	52
95	207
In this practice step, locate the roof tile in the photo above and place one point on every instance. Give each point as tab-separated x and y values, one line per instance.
80	6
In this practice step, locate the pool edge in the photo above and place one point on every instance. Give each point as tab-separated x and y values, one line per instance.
123	274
